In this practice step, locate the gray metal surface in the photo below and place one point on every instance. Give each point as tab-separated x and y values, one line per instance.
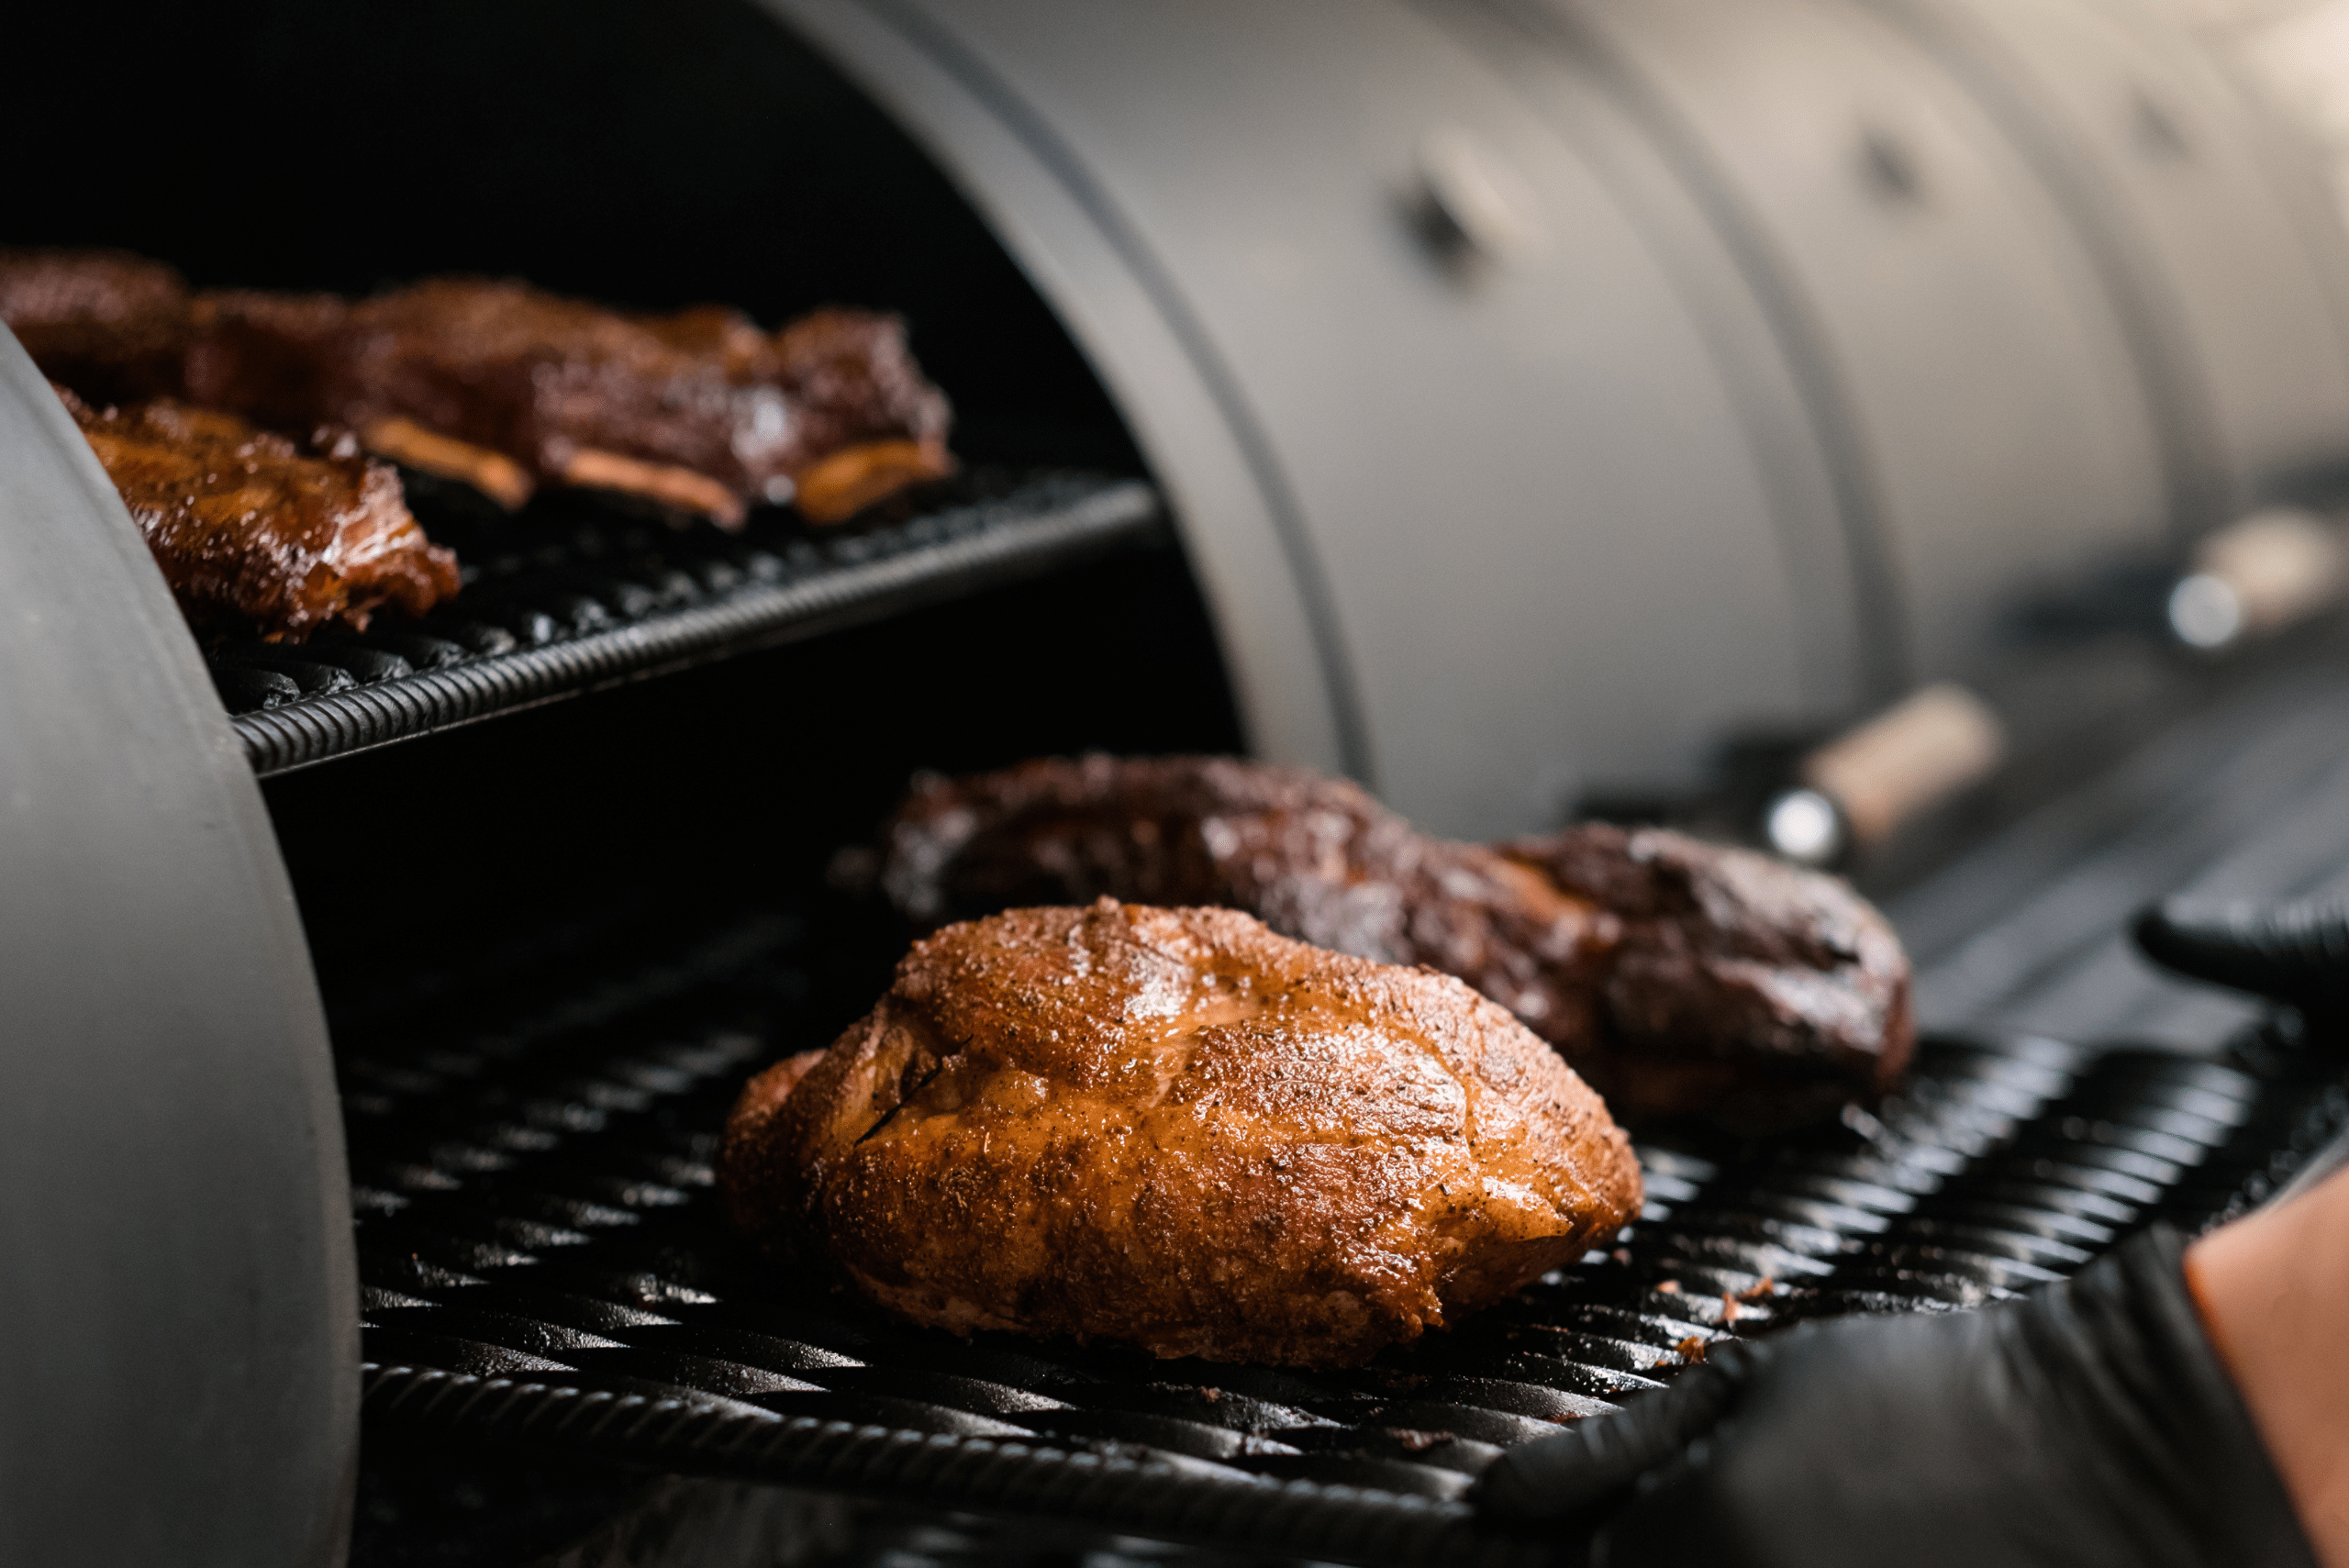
2212	230
178	1300
1813	341
1807	453
1544	543
2008	427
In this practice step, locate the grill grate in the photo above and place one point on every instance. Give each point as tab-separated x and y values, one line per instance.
575	594
543	1262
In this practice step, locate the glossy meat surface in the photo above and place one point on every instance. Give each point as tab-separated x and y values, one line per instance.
1312	857
112	326
254	536
1684	980
563	387
1739	988
504	386
1175	1128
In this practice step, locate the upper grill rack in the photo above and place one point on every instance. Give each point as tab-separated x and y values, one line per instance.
576	594
543	1262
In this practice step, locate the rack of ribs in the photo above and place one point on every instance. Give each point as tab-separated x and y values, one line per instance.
252	535
506	387
1683	980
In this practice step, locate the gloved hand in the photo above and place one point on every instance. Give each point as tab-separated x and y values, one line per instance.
2293	952
2088	1424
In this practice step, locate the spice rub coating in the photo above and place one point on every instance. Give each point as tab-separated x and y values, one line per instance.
1175	1128
254	536
1684	980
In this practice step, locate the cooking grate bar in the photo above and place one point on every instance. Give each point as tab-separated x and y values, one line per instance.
1144	1495
575	595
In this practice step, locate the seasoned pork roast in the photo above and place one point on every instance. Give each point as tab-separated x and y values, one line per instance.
1175	1128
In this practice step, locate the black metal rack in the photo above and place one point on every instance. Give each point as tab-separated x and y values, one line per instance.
543	1265
575	594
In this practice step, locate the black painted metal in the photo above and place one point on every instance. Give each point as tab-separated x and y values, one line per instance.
544	1264
574	596
178	1364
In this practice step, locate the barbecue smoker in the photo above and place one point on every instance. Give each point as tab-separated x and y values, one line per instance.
1520	405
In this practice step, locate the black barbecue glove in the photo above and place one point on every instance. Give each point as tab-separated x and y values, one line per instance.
2297	953
2087	1424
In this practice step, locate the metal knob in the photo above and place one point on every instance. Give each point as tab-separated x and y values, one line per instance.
1470	200
2271	570
1860	786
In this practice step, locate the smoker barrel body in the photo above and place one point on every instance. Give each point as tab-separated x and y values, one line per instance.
2068	296
2208	218
1840	333
179	1339
2009	440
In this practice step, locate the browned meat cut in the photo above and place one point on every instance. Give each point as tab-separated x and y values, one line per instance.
1174	1128
699	411
113	327
1682	979
1314	857
1739	987
504	387
251	535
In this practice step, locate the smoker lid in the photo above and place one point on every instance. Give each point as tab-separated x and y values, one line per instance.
179	1286
1477	515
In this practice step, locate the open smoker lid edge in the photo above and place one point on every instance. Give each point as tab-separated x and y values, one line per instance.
1281	643
180	1297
